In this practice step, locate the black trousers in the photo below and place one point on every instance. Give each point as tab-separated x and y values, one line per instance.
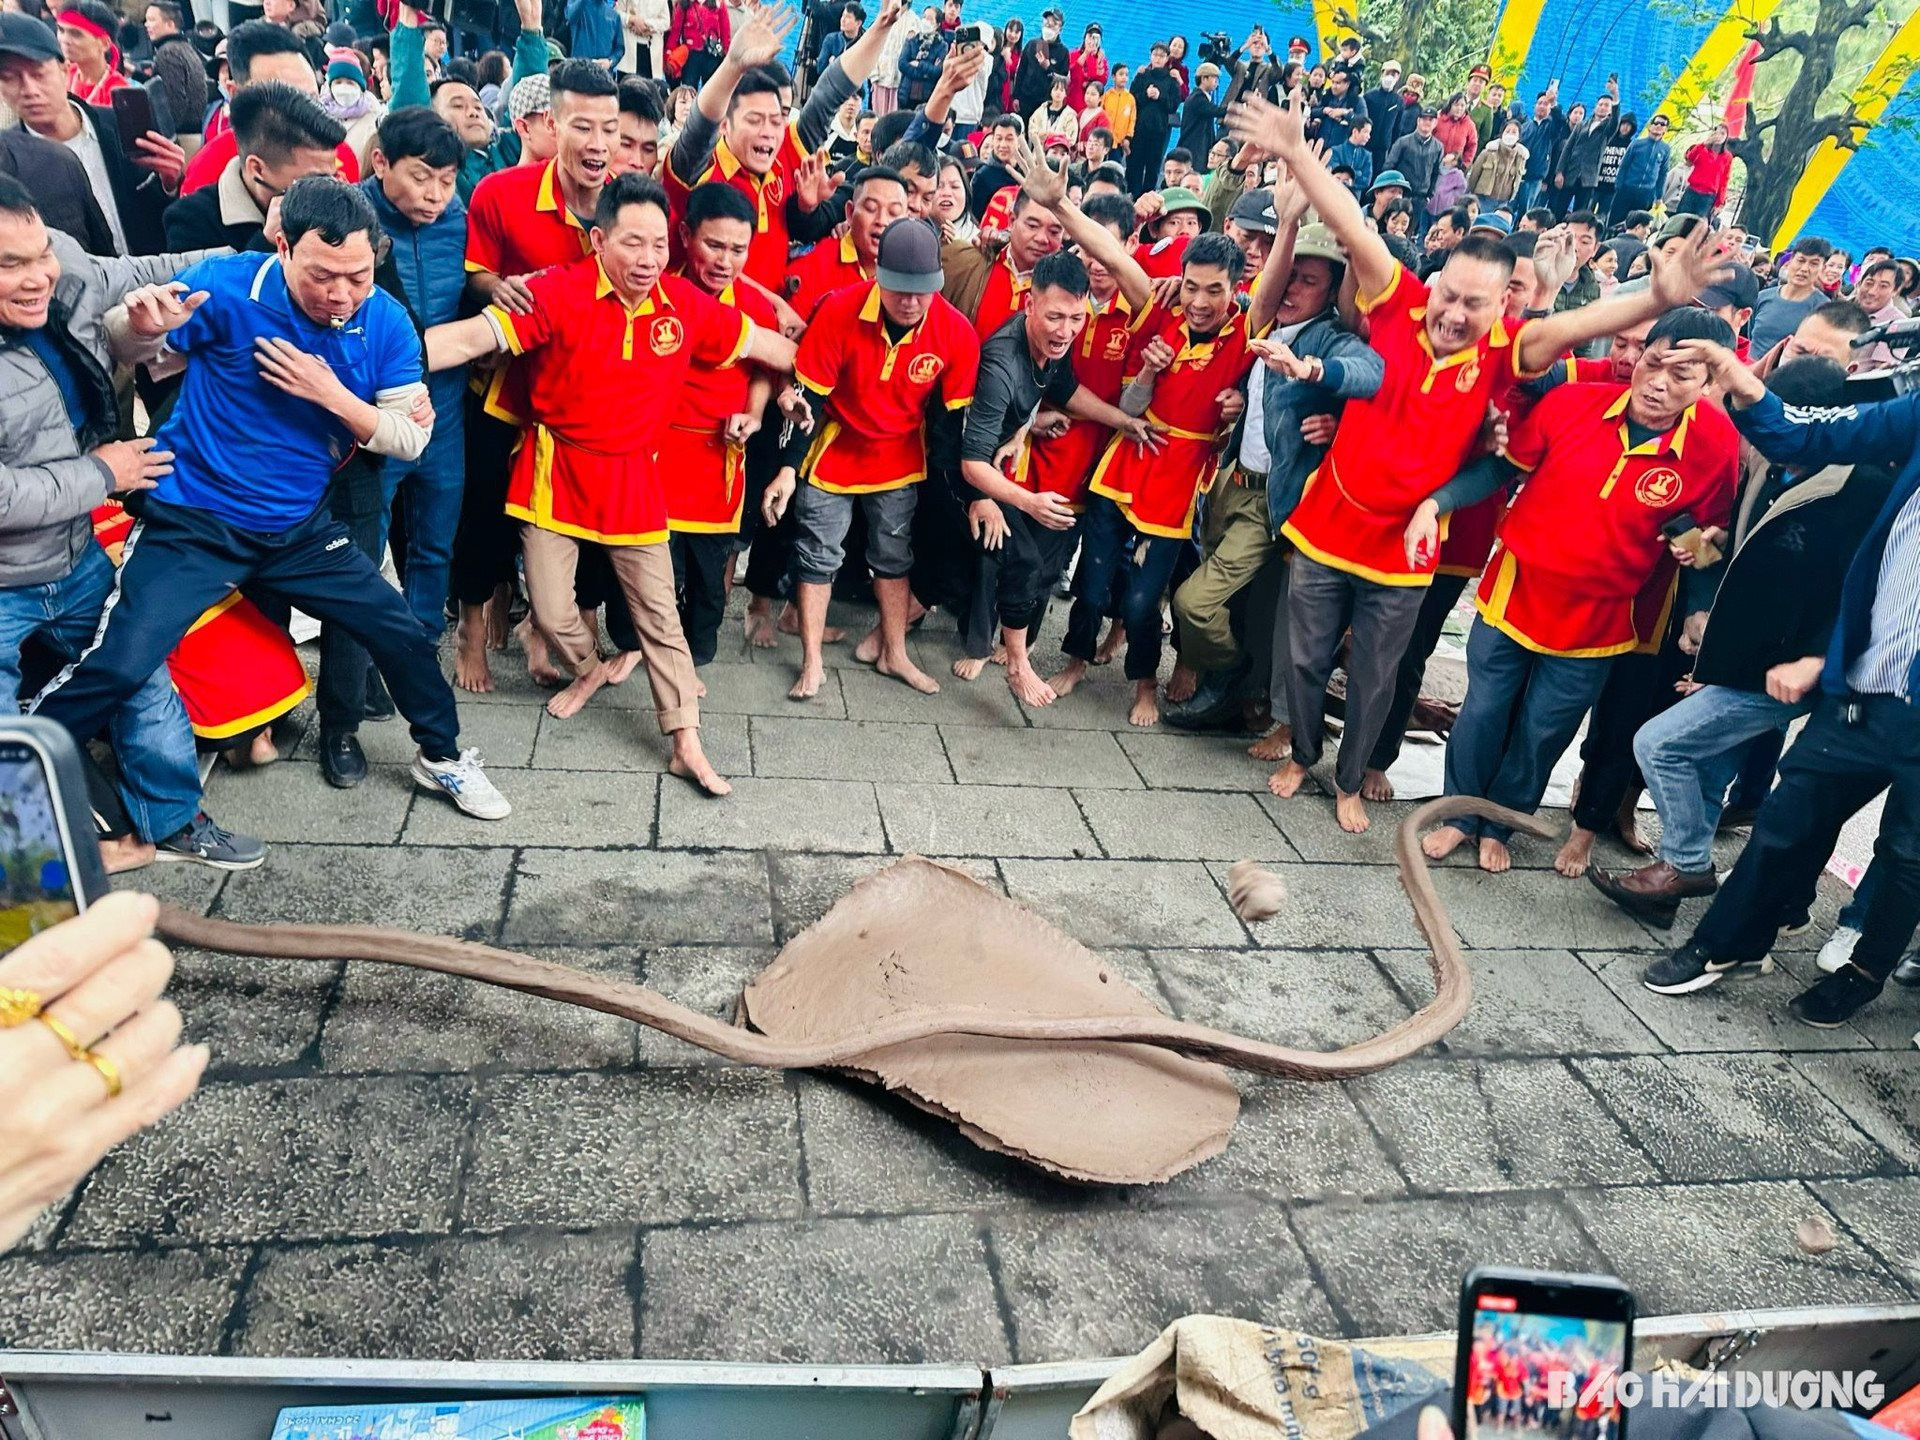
700	566
1441	597
1011	585
769	547
1849	753
487	543
179	560
358	500
1638	688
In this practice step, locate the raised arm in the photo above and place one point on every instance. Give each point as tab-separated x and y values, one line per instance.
1048	187
1282	131
1882	432
1676	280
1289	209
761	36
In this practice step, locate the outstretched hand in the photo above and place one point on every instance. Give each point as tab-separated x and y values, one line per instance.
1279	130
761	35
1691	268
1037	175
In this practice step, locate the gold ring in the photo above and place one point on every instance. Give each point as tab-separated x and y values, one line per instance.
18	1006
109	1071
61	1033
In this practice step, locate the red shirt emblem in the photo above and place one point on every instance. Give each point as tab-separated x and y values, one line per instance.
924	368
1657	487
666	335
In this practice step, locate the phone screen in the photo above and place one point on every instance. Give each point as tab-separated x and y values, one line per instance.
36	882
1540	1361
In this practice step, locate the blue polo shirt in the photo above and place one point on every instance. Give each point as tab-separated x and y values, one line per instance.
253	455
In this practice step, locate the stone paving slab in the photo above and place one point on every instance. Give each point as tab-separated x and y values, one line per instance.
438	891
985	702
535	1295
294	803
284	1160
655	1148
1744	1013
1105	903
1883	1215
551	807
1294	1140
1739	1240
251	1011
1719	1117
635	897
707	978
504	734
1311	1001
603	739
1489	1124
817	815
798	748
1547	908
1530	1002
1148	825
985	820
1173	761
1099	1284
900	1290
1361	906
1880	1093
158	1301
1080	758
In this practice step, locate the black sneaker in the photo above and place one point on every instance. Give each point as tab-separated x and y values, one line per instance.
205	843
1907	972
342	760
379	704
1835	999
1690	968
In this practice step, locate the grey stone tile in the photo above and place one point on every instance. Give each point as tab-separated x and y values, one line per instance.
1348	905
648	1149
983	702
904	1290
1742	1013
1105	903
1394	1267
1318	1000
707	978
825	815
1526	909
442	892
870	1152
1080	758
251	1012
169	1302
1879	1092
388	1018
42	1229
1884	1214
295	803
284	1160
532	1296
188	887
1197	762
1308	822
551	807
1890	1022
989	820
1496	1125
502	733
637	897
806	886
761	688
1080	1285
789	747
1730	1117
1531	1002
1099	702
628	739
1294	1141
1147	825
1738	1240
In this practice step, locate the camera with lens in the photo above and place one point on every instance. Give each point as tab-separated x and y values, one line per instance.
1216	46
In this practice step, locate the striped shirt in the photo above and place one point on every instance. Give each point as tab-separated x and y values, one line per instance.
1885	665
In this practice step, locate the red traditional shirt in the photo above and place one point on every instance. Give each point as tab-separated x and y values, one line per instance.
767	255
704	475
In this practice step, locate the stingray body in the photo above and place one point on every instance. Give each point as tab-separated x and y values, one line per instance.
972	1006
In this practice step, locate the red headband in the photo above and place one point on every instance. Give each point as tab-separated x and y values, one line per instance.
80	21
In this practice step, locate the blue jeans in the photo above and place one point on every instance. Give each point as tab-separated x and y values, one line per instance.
431	488
1691	753
159	773
1113	555
1521	711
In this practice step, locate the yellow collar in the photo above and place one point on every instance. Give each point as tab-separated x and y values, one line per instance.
849	255
873	315
1674	439
604	286
549	197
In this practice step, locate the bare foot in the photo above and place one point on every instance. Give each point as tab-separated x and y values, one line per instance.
1627	825
1115	642
1146	704
1182	683
999	656
1576	854
1028	687
1276	744
761	631
1288	779
790	625
1442	841
1351	812
868	650
690	763
540	667
498	611
907	673
809	683
571	700
968	667
699	688
470	670
1495	858
1374	785
263	751
1071	674
622	666
124	853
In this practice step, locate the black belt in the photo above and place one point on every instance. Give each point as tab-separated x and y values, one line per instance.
1249	479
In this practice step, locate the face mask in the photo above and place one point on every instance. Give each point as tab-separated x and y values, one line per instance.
344	92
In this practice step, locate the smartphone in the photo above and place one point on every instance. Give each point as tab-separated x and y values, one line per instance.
1685	531
133	116
49	854
1541	1351
967	35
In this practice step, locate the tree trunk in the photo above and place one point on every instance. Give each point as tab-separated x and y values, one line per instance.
1775	152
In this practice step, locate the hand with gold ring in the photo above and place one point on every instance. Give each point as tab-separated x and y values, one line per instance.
89	1052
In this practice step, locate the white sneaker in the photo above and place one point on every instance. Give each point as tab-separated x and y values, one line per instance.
463	782
1838	950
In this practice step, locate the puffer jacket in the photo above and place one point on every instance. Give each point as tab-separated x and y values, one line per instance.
49	484
1498	170
430	264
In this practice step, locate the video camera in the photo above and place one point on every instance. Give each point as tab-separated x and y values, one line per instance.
1216	46
1902	337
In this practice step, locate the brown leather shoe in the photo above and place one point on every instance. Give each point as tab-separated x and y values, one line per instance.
1653	892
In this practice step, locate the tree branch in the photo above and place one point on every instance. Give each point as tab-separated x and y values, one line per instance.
1772	40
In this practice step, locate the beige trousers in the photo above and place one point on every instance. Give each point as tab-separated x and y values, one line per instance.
646	578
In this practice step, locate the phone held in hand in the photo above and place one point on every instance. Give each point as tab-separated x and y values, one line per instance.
1683	530
49	851
133	116
1541	1351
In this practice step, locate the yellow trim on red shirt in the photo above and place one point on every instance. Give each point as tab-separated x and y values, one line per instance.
540	513
1493	610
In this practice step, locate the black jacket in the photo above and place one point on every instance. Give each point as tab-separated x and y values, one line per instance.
1156	116
194	223
58	183
1580	156
136	192
183	75
1200	126
1033	82
1780	594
